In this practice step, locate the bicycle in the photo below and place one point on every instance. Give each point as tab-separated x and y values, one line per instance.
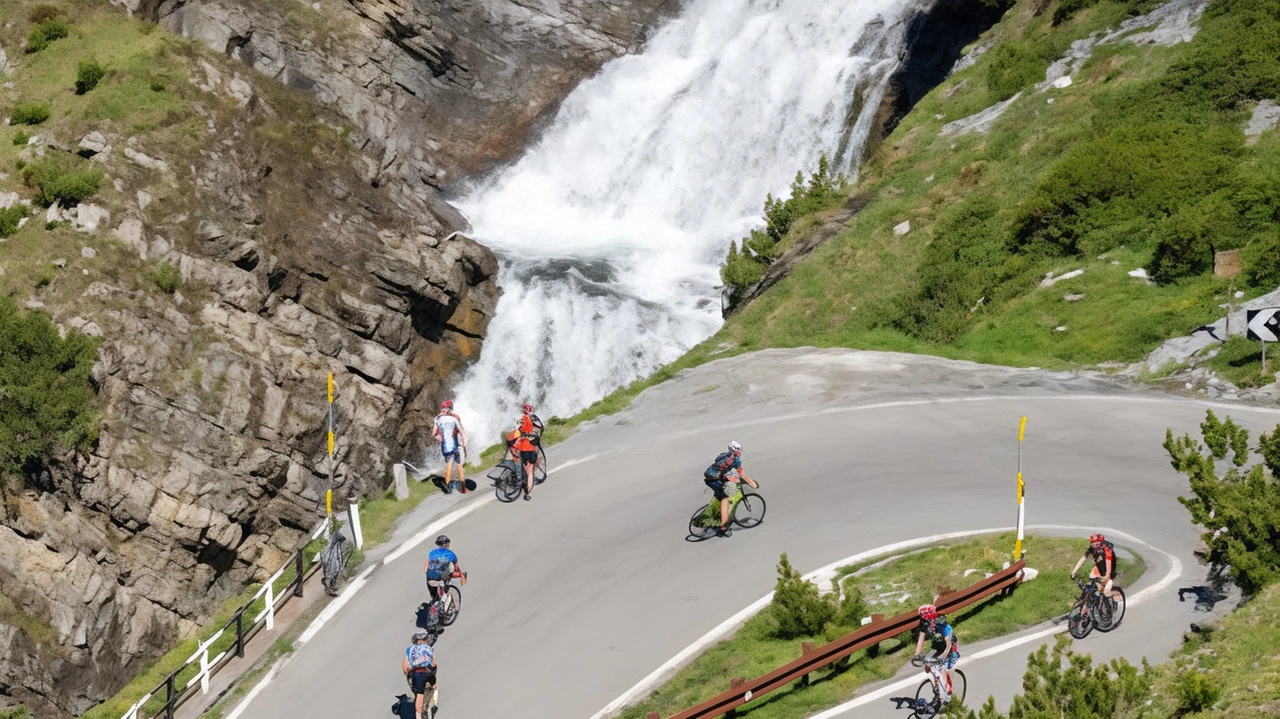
333	560
1092	610
928	696
746	509
444	611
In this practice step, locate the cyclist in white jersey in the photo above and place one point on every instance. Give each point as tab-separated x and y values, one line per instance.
453	439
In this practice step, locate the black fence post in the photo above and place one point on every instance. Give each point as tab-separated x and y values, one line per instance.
297	589
169	697
240	633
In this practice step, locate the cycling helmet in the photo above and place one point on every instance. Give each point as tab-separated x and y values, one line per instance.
735	448
420	637
442	540
928	611
1096	539
527	409
447	404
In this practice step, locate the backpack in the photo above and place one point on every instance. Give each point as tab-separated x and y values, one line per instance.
713	472
1115	558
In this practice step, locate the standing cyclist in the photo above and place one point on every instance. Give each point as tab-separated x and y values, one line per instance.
1103	555
440	566
942	640
727	467
527	445
453	439
419	666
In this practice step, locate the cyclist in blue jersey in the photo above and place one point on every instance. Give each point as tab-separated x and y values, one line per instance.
419	666
440	566
726	468
935	627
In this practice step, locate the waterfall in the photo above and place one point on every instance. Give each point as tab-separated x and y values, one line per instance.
610	229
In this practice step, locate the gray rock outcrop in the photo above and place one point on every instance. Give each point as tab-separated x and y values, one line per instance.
432	89
286	264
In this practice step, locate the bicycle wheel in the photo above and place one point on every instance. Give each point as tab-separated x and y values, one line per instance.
1078	623
749	512
455	605
1114	611
508	486
701	526
929	694
540	469
959	684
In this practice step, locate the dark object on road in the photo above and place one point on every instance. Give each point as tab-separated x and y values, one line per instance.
1206	597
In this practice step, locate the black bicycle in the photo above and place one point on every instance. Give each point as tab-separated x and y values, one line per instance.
333	560
1093	610
746	510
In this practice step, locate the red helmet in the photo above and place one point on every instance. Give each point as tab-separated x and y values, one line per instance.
928	611
447	404
1096	539
527	409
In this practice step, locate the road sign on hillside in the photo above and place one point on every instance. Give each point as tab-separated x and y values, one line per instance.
1264	324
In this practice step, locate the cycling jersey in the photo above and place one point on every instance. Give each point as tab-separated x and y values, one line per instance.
447	429
420	656
936	631
1100	556
526	433
724	463
439	560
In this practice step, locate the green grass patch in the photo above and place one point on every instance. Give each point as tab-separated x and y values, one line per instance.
38	630
755	649
29	113
1239	361
378	515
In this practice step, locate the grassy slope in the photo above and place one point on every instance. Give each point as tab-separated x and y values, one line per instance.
754	650
868	268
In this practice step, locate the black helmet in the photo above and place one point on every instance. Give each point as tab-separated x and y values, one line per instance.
442	540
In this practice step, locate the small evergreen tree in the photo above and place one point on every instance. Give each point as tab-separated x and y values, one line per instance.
798	608
1240	511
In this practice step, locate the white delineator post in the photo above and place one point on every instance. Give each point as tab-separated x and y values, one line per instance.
401	479
353	513
1017	547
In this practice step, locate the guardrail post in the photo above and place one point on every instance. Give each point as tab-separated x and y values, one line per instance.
653	715
805	648
297	589
168	696
240	634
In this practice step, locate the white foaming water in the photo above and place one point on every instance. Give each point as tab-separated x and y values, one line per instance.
611	227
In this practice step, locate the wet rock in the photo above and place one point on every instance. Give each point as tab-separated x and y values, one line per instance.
980	122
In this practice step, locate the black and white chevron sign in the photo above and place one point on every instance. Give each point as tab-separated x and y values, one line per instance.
1264	324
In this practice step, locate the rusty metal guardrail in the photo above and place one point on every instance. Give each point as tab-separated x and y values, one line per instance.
177	688
877	631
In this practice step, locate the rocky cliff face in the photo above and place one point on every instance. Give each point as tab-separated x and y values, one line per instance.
211	462
435	90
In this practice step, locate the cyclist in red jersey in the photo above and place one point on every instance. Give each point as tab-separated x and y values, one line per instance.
525	446
1103	555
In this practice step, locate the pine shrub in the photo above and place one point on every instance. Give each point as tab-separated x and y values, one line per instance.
9	219
29	113
46	32
88	74
62	177
797	607
166	278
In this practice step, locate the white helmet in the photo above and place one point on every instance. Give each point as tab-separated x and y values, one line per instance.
735	448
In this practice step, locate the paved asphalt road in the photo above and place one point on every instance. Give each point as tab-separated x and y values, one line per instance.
580	593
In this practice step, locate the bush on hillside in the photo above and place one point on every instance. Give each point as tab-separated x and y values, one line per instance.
62	176
1064	685
1197	691
1261	261
166	278
44	379
46	32
742	269
1239	511
9	219
1015	66
20	138
797	607
29	113
88	74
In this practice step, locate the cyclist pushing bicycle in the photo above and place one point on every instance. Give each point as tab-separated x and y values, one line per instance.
727	467
946	648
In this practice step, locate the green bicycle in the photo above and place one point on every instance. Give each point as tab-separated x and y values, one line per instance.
746	509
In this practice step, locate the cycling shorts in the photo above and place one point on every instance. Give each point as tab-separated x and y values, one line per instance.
420	679
1095	574
527	457
717	487
454	455
952	658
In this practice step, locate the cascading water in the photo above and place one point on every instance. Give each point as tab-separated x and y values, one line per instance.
611	227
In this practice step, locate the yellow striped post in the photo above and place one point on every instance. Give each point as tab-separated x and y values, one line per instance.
1017	547
329	495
